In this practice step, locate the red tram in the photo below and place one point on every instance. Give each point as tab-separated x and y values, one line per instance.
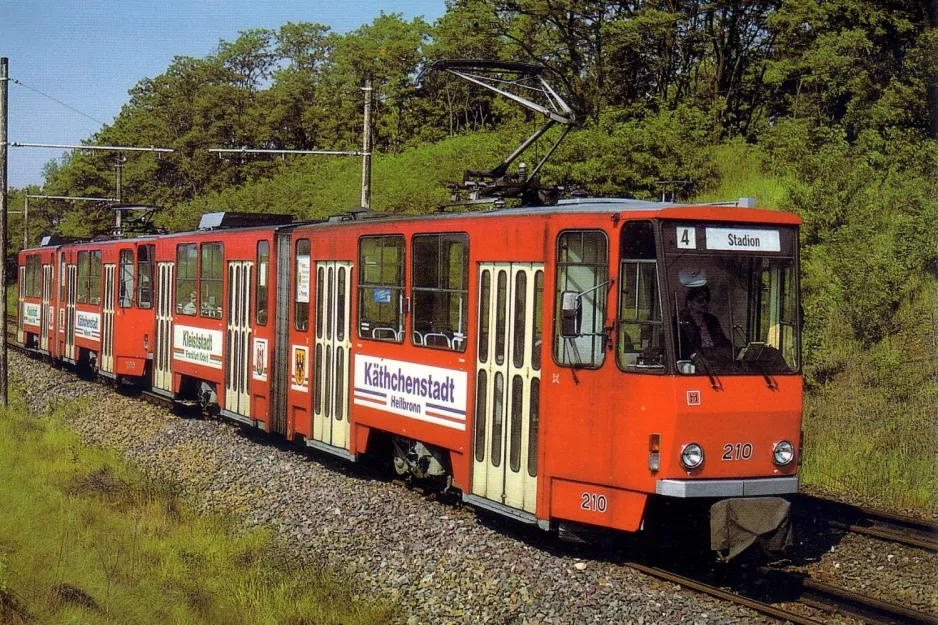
565	364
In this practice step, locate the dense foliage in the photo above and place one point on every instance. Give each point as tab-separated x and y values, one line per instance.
825	108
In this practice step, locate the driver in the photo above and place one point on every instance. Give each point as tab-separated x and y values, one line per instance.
700	329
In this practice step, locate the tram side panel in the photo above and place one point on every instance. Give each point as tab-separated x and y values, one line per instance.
404	378
412	333
83	320
190	335
248	326
320	343
132	308
262	287
26	299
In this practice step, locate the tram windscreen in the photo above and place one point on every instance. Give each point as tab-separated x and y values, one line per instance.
733	299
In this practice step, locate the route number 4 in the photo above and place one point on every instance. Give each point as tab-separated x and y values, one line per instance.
687	238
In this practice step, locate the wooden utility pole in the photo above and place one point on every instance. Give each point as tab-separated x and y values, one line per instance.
366	146
4	84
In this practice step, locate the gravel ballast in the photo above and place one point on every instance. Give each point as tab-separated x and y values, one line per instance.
438	562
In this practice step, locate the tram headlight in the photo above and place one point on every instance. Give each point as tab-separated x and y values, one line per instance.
692	456
783	453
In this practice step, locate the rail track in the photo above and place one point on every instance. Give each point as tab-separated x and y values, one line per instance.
870	522
776	591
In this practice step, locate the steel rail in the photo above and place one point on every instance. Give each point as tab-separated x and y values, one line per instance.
757	606
820	595
871	522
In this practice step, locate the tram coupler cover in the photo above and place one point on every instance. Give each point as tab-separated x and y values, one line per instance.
737	524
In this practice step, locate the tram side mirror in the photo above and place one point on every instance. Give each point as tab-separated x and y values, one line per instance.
570	314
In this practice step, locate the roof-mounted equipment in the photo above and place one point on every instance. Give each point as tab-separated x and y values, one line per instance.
510	80
134	219
222	220
54	240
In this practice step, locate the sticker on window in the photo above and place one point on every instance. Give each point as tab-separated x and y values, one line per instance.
302	279
382	296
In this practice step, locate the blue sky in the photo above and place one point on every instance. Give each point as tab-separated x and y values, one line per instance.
89	53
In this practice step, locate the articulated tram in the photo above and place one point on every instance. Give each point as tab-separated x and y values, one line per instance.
561	365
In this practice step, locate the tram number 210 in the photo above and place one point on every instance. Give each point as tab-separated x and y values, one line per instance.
739	451
593	502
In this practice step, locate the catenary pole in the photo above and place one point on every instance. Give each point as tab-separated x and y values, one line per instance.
366	146
4	85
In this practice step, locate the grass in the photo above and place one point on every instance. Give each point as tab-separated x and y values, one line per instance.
871	426
741	169
87	539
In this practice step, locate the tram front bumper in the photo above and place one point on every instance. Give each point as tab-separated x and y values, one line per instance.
754	487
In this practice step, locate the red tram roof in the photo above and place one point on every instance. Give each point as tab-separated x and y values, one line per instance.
624	207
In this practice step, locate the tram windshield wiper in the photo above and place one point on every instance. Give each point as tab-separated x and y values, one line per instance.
701	362
751	356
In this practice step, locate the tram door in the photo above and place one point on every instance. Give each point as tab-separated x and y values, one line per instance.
107	336
508	381
47	310
20	333
72	296
330	395
238	338
61	301
163	347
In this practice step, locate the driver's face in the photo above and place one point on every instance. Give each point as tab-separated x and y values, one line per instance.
701	303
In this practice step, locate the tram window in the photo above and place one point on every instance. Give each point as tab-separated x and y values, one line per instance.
320	294
301	286
126	293
62	276
187	283
480	414
145	276
497	419
501	312
484	305
639	328
381	288
84	273
535	410
262	288
538	334
340	304
521	298
582	269
211	278
94	279
517	406
440	290
33	276
37	276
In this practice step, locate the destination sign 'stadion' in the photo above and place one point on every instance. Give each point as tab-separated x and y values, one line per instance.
743	239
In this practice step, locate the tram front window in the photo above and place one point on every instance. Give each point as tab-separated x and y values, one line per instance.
733	312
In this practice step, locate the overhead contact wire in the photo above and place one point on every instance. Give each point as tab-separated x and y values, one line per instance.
69	107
